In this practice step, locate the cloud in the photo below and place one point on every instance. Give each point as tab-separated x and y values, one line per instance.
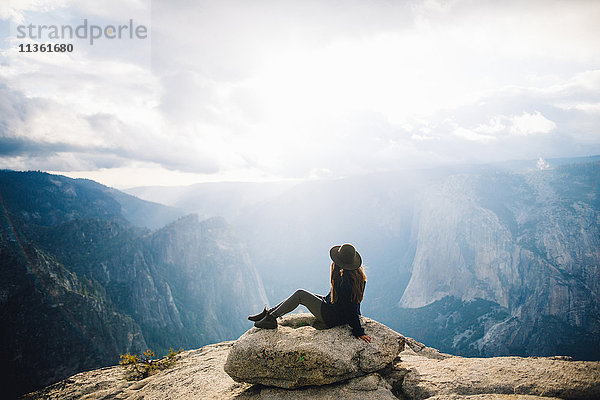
43	131
496	126
522	125
14	146
473	135
529	124
16	9
278	89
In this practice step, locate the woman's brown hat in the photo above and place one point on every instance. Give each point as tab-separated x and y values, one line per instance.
345	256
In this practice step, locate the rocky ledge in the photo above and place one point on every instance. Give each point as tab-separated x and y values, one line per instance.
417	372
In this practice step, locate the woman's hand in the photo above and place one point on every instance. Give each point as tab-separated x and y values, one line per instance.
366	338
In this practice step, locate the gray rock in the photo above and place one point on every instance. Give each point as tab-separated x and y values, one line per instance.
417	348
534	376
199	374
368	387
297	354
491	396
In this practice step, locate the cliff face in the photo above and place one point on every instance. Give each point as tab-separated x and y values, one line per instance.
53	322
529	243
81	285
198	278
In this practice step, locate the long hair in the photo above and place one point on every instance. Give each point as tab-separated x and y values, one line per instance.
357	277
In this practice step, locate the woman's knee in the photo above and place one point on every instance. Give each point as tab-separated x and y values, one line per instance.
301	293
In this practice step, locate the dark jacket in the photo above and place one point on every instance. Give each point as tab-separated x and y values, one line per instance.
343	311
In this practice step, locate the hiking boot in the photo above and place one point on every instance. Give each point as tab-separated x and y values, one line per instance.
268	322
259	316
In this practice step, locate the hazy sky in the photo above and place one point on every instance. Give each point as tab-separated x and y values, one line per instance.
263	90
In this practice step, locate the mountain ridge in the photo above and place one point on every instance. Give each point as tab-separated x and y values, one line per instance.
512	233
81	284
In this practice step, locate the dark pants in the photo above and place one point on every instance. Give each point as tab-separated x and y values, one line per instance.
309	300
